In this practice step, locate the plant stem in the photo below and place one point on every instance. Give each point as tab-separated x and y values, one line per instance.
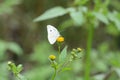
18	76
88	51
54	75
62	66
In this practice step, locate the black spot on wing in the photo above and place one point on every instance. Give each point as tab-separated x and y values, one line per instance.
50	30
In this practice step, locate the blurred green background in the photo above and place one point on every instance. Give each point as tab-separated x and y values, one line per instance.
93	25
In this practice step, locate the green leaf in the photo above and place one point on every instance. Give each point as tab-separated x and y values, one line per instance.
112	30
51	13
63	55
117	23
101	65
15	48
101	17
13	68
65	24
114	59
11	46
77	17
19	68
112	17
66	69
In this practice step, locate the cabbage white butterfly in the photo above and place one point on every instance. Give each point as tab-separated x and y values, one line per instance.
53	34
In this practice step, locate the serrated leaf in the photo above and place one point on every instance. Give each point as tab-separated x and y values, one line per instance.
51	13
15	48
63	55
101	17
77	17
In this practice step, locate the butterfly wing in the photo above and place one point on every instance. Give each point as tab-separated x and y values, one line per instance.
53	34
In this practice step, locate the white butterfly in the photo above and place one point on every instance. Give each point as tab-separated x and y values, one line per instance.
53	34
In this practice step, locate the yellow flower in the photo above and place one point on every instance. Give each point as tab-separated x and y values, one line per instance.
52	57
60	39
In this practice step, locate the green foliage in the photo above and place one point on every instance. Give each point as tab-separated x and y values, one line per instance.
2	49
101	17
12	46
4	72
19	68
41	69
76	13
102	58
83	13
16	70
114	17
77	17
6	6
41	50
80	2
114	31
39	72
52	13
63	55
20	77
